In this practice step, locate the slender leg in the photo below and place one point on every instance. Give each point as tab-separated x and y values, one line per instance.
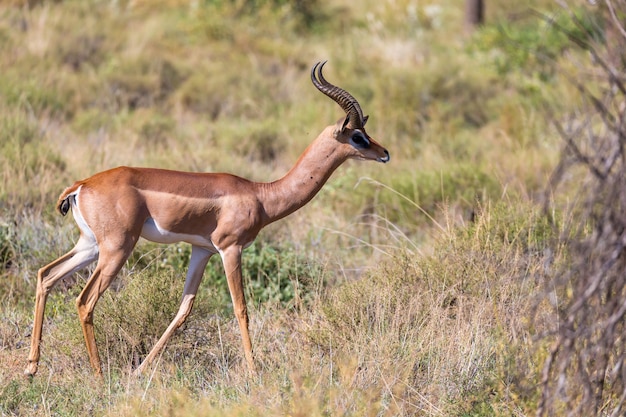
199	259
84	253
231	257
109	264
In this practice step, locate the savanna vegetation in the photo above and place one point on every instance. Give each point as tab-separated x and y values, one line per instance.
479	273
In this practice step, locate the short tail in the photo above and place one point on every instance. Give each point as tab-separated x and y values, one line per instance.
65	199
64	205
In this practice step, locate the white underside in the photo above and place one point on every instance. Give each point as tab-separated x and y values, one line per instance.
153	232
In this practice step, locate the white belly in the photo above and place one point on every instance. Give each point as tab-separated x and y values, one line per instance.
153	232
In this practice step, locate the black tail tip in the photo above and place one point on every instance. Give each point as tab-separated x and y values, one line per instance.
64	206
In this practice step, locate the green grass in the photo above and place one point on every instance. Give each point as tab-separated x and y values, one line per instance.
402	289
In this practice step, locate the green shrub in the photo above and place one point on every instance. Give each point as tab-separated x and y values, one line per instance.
272	273
279	274
536	42
131	320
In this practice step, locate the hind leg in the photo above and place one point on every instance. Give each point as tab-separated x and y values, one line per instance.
109	264
84	253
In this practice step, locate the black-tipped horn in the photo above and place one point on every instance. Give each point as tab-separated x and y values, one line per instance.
345	100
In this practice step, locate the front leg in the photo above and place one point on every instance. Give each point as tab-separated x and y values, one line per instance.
197	264
231	257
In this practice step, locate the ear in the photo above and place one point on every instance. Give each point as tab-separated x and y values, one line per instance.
340	126
345	123
365	120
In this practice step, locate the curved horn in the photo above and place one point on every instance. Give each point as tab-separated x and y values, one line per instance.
345	100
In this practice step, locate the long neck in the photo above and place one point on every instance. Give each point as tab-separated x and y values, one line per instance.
286	195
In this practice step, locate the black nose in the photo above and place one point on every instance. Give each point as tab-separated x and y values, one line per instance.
385	158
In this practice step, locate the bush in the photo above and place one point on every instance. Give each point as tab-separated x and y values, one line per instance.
583	373
275	274
133	319
532	44
451	324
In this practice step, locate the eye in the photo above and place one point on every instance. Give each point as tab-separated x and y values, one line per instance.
358	140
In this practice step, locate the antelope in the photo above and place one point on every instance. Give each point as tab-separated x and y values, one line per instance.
214	212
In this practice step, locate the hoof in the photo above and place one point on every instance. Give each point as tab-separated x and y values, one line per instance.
31	370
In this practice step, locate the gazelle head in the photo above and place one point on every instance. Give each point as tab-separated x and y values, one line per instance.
350	131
